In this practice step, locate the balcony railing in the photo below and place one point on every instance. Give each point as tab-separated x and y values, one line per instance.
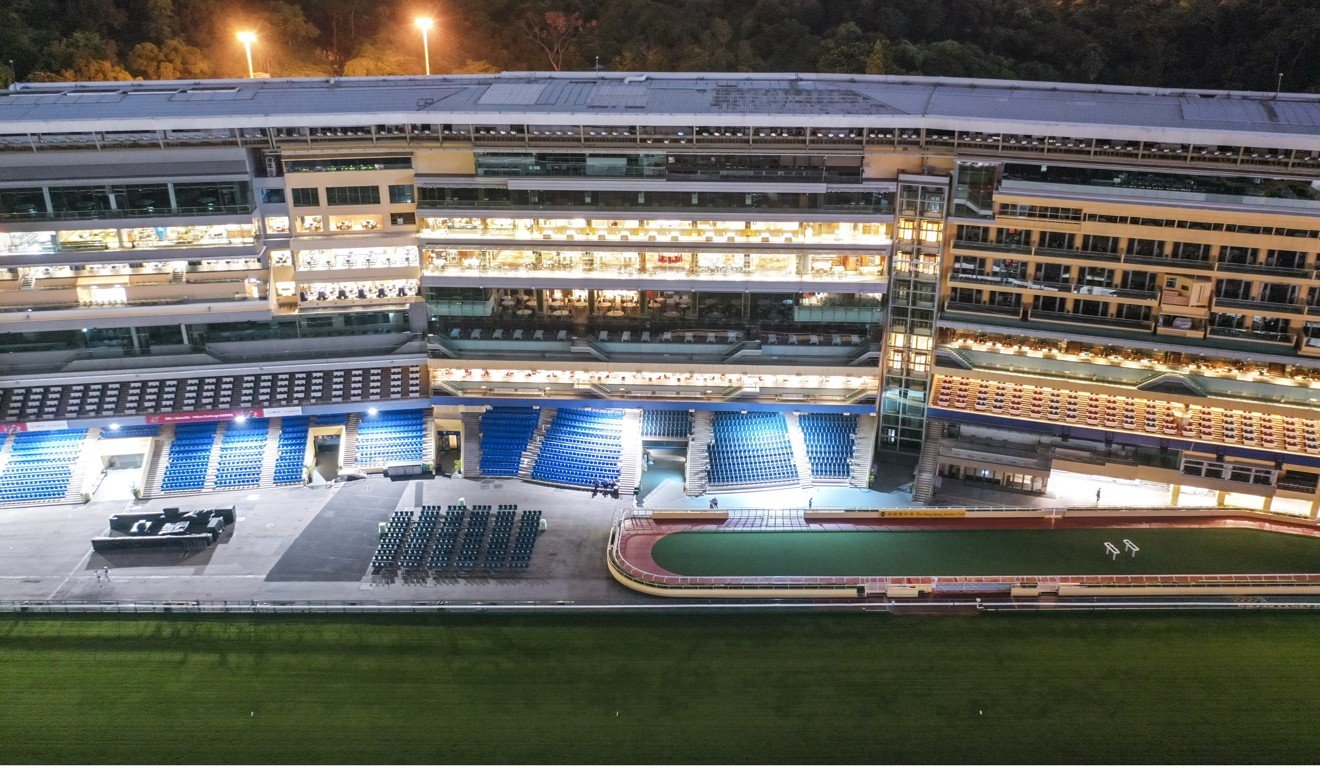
46	216
1090	320
1251	304
1278	338
976	307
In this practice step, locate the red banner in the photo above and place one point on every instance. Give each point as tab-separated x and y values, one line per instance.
228	414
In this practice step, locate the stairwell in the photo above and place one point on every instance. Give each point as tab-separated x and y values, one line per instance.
799	446
533	449
267	478
630	451
923	488
86	457
428	439
863	451
5	444
214	464
160	450
470	451
348	448
697	470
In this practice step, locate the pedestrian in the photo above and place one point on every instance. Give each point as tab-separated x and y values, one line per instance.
462	502
714	502
1097	497
595	487
811	502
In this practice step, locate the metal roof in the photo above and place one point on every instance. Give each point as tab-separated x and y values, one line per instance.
611	98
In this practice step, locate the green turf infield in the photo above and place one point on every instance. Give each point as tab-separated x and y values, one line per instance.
1222	688
1178	551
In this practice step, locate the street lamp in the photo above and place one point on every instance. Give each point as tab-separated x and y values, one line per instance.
425	24
247	39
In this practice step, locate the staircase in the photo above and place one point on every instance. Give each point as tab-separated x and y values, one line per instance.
470	449
4	450
630	451
863	452
533	449
86	457
799	446
698	461
923	489
209	485
267	478
160	446
348	448
428	439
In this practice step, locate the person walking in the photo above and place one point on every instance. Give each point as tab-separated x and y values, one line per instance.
1097	497
811	502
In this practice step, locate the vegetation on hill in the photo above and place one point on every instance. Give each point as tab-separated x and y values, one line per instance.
1238	44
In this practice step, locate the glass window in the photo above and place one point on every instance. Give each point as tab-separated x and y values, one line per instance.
401	193
352	196
306	196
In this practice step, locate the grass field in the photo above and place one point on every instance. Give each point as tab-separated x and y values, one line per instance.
986	552
767	688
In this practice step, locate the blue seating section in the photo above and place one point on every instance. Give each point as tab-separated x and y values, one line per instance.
131	431
291	450
829	439
40	465
666	423
189	457
750	449
242	451
391	437
505	431
581	448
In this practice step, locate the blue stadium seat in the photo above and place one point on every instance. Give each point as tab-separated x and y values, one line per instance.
581	448
750	449
505	431
242	451
40	465
391	437
666	423
291	450
829	440
189	457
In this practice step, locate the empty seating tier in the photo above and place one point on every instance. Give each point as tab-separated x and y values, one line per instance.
391	437
189	457
291	450
829	440
750	449
581	448
40	465
666	423
111	399
242	451
505	431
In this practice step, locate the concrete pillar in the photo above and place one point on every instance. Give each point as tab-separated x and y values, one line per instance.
1315	507
1219	498
1175	490
1265	506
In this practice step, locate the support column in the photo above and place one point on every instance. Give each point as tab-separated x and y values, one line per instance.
1175	491
1265	506
1315	507
1219	498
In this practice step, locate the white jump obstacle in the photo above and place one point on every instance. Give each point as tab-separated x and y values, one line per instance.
1131	547
1112	550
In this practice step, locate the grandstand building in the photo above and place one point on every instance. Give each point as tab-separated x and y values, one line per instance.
230	284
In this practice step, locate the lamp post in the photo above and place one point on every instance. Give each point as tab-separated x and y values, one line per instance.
247	39
425	24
